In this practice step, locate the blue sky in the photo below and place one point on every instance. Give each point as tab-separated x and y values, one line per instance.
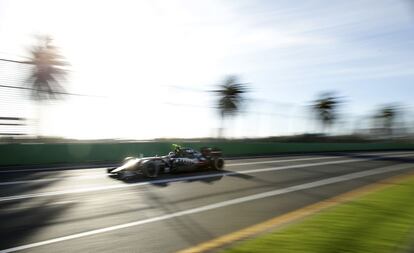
288	52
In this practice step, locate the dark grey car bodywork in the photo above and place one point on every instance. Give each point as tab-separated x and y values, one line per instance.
185	159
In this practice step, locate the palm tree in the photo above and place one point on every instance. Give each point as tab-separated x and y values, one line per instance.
47	70
387	116
325	107
47	73
230	98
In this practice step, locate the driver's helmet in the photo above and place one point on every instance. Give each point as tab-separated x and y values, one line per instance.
177	148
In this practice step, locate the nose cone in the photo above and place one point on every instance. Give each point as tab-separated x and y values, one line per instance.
129	165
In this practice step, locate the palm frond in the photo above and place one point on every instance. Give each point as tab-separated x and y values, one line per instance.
325	107
47	70
230	96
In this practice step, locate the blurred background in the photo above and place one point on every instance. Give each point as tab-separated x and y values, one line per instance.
139	70
88	84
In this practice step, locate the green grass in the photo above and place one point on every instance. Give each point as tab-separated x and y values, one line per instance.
379	222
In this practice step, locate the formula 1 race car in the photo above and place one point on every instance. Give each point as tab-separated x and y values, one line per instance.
179	160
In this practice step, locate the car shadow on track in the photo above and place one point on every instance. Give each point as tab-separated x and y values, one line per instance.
164	180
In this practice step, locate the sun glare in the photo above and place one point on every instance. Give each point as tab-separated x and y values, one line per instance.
129	55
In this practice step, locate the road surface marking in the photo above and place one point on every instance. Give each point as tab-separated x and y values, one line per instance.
319	158
32	181
217	205
293	216
281	161
163	181
229	165
113	164
54	169
29	181
104	176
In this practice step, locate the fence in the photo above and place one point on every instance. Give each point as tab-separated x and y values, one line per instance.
14	106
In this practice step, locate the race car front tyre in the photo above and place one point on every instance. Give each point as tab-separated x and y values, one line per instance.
151	170
217	163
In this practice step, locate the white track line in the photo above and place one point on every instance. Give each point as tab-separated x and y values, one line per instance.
228	165
162	181
100	167
280	161
316	158
104	176
52	169
235	201
29	181
33	181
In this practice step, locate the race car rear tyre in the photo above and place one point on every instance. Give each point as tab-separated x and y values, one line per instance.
217	163
151	170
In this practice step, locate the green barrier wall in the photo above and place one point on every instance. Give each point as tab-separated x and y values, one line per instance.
43	154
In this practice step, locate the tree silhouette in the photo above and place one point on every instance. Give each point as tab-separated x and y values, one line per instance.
46	75
387	115
47	70
230	98
325	107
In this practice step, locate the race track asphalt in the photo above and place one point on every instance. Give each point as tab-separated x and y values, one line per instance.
84	210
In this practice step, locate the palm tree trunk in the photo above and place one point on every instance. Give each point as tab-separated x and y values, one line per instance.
38	119
221	128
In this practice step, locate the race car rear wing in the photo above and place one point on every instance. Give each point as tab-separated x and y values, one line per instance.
209	152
